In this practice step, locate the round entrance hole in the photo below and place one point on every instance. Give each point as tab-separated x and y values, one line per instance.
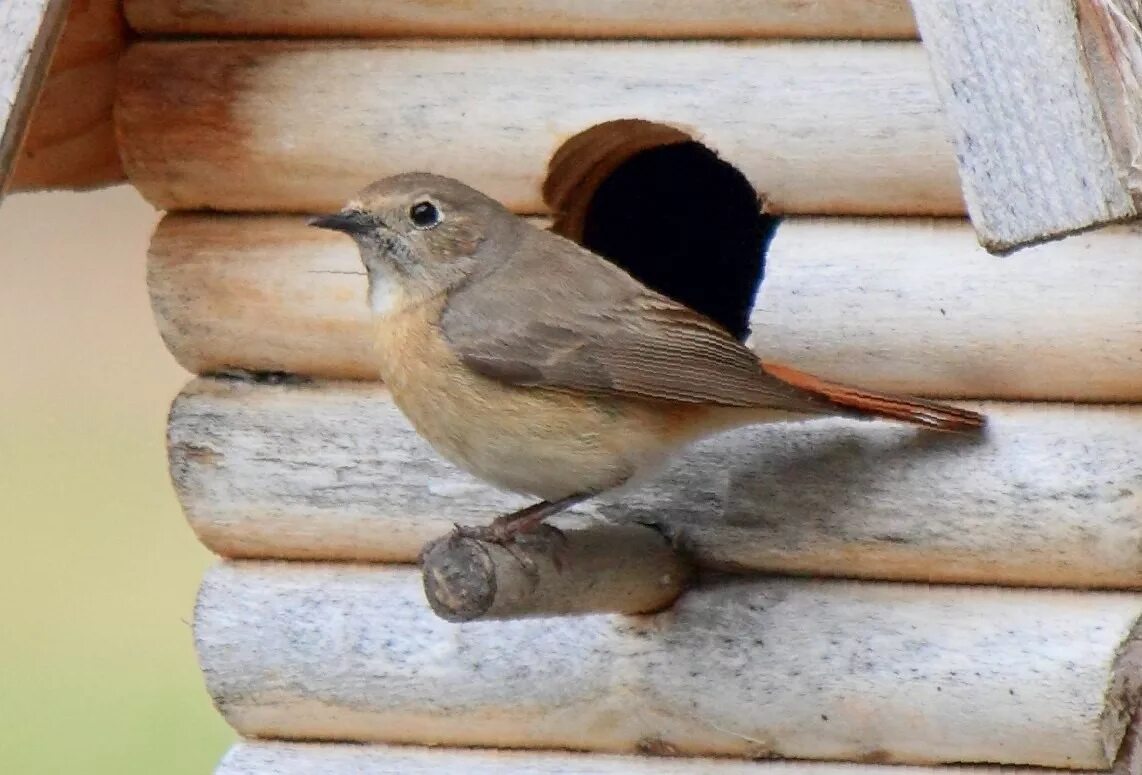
668	210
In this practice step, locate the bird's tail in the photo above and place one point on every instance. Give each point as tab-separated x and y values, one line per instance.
866	403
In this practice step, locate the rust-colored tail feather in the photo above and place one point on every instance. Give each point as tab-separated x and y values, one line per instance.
860	402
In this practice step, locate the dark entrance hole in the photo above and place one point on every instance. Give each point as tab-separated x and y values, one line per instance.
666	209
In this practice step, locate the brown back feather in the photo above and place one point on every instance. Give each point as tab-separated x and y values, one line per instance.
579	323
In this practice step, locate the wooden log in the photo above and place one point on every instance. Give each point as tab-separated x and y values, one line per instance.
819	127
626	569
913	306
528	18
260	757
29	30
1010	112
778	667
1052	496
70	142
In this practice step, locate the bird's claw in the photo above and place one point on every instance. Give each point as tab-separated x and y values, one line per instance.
544	538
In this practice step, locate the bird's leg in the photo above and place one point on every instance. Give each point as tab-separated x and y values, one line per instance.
506	528
511	531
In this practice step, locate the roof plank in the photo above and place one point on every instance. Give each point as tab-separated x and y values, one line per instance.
29	30
1043	105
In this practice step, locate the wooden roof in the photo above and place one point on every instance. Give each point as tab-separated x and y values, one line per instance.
57	80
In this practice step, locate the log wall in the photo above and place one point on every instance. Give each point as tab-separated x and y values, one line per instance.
908	305
762	668
1052	496
527	18
831	128
254	758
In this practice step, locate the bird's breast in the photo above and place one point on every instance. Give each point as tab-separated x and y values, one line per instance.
541	442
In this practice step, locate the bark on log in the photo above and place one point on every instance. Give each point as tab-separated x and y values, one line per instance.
907	305
70	142
300	126
781	667
527	18
625	569
261	757
1021	82
1052	496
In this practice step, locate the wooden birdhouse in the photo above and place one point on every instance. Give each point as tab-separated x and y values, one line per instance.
833	596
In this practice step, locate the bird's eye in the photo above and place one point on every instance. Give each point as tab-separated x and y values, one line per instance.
424	215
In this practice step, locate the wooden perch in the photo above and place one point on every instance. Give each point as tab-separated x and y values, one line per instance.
1044	105
70	142
776	667
29	30
819	127
260	757
626	569
913	306
527	18
1052	496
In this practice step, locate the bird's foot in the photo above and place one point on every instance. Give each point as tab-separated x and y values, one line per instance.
518	540
502	531
526	529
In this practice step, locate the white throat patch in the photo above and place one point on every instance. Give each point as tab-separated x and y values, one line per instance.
385	295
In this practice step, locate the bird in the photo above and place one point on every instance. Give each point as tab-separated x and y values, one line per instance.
546	370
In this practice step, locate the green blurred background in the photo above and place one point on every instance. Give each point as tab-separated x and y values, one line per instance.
99	570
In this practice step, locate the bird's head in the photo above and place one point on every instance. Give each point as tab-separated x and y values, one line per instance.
420	235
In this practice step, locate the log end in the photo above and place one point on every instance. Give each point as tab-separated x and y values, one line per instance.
459	577
628	569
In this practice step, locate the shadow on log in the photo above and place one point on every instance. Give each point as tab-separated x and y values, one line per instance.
333	471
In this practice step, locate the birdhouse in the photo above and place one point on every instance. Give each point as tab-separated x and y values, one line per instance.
873	191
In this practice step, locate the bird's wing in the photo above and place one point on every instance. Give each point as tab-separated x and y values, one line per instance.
579	323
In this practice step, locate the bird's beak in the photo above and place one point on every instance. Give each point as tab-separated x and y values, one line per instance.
347	222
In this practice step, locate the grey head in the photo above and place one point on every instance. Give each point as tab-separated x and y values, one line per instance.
420	235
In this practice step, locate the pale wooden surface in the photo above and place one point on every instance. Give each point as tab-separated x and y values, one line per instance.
528	18
801	669
627	569
907	305
1031	107
29	30
258	758
1111	43
819	127
1051	496
70	141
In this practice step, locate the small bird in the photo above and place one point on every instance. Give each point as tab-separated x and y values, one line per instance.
544	369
